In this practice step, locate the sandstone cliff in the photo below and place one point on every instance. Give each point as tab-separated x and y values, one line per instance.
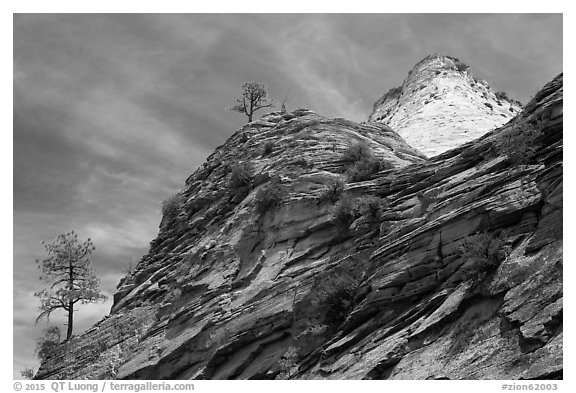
440	106
320	283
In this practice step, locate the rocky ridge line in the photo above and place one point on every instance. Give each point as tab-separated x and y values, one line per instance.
230	292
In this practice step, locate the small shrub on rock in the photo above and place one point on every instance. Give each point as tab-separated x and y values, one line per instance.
357	152
344	212
338	305
49	345
268	148
460	66
362	170
501	95
333	191
371	207
270	196
520	143
361	162
365	168
241	175
171	205
27	373
487	247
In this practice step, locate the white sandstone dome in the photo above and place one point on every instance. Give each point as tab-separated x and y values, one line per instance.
440	106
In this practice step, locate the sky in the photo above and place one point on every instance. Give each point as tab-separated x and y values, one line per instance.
112	112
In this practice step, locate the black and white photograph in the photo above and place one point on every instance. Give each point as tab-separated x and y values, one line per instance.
287	196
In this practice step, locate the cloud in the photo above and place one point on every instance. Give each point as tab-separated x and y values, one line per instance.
319	60
116	238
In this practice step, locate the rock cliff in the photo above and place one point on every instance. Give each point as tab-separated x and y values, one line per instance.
440	106
315	248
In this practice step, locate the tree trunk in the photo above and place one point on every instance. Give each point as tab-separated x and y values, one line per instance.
251	110
71	301
70	319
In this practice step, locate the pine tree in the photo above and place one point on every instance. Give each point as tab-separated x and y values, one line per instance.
254	97
72	280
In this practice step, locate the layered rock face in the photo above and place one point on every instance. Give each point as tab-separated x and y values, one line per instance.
451	269
440	106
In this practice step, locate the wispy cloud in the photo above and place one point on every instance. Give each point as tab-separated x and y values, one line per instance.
319	59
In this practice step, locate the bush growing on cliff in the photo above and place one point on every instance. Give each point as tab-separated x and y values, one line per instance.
268	148
270	196
27	373
49	345
487	247
361	162
348	209
333	191
371	207
520	143
338	306
460	66
356	152
344	212
501	95
171	205
241	175
365	168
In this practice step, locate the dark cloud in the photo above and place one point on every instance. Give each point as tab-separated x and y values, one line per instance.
113	112
44	180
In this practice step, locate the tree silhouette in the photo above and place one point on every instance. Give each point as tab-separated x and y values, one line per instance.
254	97
72	280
